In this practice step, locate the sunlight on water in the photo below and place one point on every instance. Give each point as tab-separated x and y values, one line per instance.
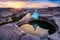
30	30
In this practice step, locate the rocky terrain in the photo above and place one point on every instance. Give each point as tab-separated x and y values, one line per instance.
9	17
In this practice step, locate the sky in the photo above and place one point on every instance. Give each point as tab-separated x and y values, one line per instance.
29	3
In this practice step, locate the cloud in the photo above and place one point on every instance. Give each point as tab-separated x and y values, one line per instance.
20	4
21	0
33	0
9	0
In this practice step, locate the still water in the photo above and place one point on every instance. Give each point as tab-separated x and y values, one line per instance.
45	25
43	28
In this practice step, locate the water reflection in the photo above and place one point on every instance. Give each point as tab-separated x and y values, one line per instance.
44	25
28	28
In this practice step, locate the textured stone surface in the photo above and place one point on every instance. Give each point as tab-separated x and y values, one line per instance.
54	36
30	37
11	32
8	32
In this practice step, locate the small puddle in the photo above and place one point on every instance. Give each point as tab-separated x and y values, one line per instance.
44	25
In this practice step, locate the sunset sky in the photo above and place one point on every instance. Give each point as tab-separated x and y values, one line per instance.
29	3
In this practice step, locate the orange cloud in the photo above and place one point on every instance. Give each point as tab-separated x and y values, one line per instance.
20	4
13	4
42	5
